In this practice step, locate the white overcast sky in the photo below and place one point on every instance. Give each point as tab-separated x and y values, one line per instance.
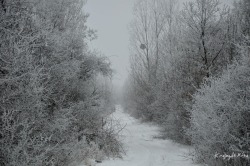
111	19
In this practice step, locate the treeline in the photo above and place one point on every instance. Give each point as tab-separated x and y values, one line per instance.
54	102
190	74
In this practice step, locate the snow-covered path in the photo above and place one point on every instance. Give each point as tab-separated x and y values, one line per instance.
145	150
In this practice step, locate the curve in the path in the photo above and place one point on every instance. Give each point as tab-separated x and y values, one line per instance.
145	150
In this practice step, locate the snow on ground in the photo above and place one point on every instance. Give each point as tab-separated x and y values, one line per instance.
142	149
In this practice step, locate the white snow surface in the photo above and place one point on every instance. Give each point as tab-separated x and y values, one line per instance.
143	149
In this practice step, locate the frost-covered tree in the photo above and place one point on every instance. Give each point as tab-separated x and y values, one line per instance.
148	31
242	12
53	107
220	110
206	34
220	115
199	52
193	44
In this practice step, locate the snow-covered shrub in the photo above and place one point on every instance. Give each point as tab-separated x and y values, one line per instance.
52	106
220	117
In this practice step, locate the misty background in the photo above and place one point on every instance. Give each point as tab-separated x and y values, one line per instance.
111	19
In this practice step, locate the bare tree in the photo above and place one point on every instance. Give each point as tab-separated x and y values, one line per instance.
205	20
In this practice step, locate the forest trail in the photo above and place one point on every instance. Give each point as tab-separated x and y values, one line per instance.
142	149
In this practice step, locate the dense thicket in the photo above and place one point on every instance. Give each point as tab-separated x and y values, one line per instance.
53	104
220	117
176	54
181	48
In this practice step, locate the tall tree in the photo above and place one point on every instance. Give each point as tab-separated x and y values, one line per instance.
206	33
